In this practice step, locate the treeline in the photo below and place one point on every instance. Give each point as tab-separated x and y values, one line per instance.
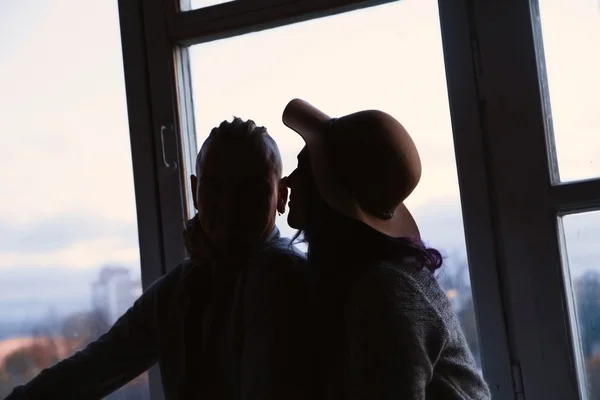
50	344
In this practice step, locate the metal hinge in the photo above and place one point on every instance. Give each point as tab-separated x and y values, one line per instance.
518	382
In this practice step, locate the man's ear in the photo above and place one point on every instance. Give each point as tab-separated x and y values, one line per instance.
194	186
282	195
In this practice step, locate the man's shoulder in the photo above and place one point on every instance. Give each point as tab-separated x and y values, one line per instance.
278	258
171	280
283	250
276	273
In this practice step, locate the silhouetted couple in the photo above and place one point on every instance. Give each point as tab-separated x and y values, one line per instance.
248	317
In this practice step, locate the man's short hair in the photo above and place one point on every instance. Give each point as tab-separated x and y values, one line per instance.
238	129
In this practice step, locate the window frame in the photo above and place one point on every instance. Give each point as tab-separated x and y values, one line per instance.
526	201
170	165
476	202
144	156
238	17
509	203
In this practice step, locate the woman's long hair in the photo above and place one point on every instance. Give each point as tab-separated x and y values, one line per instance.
330	233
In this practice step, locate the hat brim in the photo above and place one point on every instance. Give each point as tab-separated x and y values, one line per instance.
305	119
311	124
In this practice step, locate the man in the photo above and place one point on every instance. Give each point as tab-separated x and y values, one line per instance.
228	323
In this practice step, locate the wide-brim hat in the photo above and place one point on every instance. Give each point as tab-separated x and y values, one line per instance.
365	164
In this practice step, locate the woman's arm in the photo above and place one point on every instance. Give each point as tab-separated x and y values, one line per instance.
393	338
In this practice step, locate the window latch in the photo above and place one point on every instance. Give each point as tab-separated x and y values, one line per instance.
163	129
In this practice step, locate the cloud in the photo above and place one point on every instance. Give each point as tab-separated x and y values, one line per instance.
68	239
62	231
17	20
32	293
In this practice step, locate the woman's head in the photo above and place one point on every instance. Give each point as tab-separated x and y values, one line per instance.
309	212
304	195
326	229
364	164
352	179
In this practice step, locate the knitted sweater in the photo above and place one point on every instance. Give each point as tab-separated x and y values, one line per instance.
386	329
403	340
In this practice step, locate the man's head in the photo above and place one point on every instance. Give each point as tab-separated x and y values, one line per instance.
237	188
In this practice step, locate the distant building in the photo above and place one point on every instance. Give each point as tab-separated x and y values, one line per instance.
595	349
455	298
114	292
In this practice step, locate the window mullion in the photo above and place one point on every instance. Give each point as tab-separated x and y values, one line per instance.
146	167
577	196
477	218
189	143
529	249
165	127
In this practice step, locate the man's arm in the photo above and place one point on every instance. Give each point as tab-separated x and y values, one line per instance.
276	350
393	338
118	356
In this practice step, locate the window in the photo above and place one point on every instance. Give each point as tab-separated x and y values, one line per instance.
519	116
255	75
513	106
571	33
69	256
582	267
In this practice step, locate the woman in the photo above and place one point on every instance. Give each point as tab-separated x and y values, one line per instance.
386	328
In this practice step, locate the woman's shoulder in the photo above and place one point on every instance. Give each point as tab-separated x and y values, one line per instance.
400	278
393	299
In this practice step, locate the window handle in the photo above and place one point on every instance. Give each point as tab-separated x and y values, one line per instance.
169	165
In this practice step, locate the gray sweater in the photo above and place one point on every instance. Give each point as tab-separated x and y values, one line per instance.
402	339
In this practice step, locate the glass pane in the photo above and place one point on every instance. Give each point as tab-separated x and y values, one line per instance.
195	4
341	69
583	272
69	257
571	36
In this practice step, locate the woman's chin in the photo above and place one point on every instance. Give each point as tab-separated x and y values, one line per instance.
294	221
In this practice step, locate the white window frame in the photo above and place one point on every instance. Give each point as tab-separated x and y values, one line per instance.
497	96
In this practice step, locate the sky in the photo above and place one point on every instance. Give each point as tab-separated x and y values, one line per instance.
67	203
